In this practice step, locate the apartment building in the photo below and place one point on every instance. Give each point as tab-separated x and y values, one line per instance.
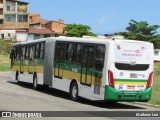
14	15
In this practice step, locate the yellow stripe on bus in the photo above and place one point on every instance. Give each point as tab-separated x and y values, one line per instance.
38	69
77	76
132	83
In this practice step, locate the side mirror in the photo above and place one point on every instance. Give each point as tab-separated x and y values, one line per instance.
12	55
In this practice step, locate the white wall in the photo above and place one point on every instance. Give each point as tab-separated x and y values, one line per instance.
21	36
8	34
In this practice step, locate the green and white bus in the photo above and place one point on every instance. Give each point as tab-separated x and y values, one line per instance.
92	68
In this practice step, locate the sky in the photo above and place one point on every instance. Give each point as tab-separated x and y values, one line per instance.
103	16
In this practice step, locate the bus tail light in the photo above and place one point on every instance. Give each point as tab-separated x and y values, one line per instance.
149	82
110	78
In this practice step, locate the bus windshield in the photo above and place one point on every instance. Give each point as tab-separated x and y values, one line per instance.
135	51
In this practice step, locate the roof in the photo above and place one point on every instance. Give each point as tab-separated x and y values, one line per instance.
21	31
19	1
40	31
43	21
81	40
57	21
32	14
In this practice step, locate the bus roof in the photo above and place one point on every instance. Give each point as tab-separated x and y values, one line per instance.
83	40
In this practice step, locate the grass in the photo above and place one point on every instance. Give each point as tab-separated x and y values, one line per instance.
4	67
155	99
4	63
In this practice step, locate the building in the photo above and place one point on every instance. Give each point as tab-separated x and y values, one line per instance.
38	33
41	28
14	15
17	22
35	21
56	26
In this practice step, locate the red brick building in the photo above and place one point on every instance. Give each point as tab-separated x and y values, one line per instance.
56	26
36	22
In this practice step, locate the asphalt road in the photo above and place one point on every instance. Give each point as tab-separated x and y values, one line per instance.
14	97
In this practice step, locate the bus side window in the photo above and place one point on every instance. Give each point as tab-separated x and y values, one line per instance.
42	50
100	52
17	53
27	52
32	49
70	52
60	52
23	52
90	57
38	50
78	53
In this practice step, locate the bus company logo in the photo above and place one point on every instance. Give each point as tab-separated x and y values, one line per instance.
120	87
121	73
131	87
132	62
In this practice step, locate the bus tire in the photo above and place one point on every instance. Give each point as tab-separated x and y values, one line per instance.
35	82
74	91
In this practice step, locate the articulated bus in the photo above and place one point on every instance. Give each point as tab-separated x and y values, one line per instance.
92	68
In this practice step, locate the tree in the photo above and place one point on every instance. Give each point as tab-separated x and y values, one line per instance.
142	31
78	30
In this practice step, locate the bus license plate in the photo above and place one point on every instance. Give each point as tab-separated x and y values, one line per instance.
133	75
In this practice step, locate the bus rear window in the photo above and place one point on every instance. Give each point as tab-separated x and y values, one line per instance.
137	67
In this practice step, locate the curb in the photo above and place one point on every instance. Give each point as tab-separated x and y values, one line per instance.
5	71
147	104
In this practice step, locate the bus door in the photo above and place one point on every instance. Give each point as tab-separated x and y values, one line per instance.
31	58
99	65
59	60
22	59
87	70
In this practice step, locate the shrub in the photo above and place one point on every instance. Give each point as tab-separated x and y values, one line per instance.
5	47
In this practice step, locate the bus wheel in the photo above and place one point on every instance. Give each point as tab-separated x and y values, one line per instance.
35	85
74	91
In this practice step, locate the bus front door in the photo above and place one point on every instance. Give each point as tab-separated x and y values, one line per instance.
87	71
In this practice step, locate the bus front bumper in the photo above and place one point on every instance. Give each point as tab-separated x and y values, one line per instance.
111	94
